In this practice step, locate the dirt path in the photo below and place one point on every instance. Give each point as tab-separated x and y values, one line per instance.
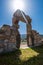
23	46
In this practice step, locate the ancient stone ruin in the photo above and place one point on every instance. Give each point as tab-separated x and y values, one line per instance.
10	36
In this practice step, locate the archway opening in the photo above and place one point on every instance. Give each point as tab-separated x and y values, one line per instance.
23	33
22	28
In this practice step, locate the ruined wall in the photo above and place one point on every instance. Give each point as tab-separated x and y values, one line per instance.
10	37
37	38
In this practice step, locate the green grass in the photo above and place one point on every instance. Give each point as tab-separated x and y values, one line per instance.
30	56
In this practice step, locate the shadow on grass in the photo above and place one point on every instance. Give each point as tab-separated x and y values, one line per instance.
36	60
12	58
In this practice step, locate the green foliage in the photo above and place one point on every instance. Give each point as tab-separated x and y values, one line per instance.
30	56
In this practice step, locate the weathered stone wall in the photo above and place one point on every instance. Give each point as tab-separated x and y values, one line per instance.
37	38
10	37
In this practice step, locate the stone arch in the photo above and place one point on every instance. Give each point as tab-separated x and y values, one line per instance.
10	34
18	16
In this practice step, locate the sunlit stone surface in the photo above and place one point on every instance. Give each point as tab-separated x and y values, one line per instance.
10	37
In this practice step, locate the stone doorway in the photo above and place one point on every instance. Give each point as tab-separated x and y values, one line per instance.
17	17
23	33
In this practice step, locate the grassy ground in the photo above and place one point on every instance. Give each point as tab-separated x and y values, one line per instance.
30	56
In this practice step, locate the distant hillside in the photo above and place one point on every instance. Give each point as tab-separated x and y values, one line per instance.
23	36
41	36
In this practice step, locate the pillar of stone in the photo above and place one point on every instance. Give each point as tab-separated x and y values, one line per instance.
17	34
29	39
18	38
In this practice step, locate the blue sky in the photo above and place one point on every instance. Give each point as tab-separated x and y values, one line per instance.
33	8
